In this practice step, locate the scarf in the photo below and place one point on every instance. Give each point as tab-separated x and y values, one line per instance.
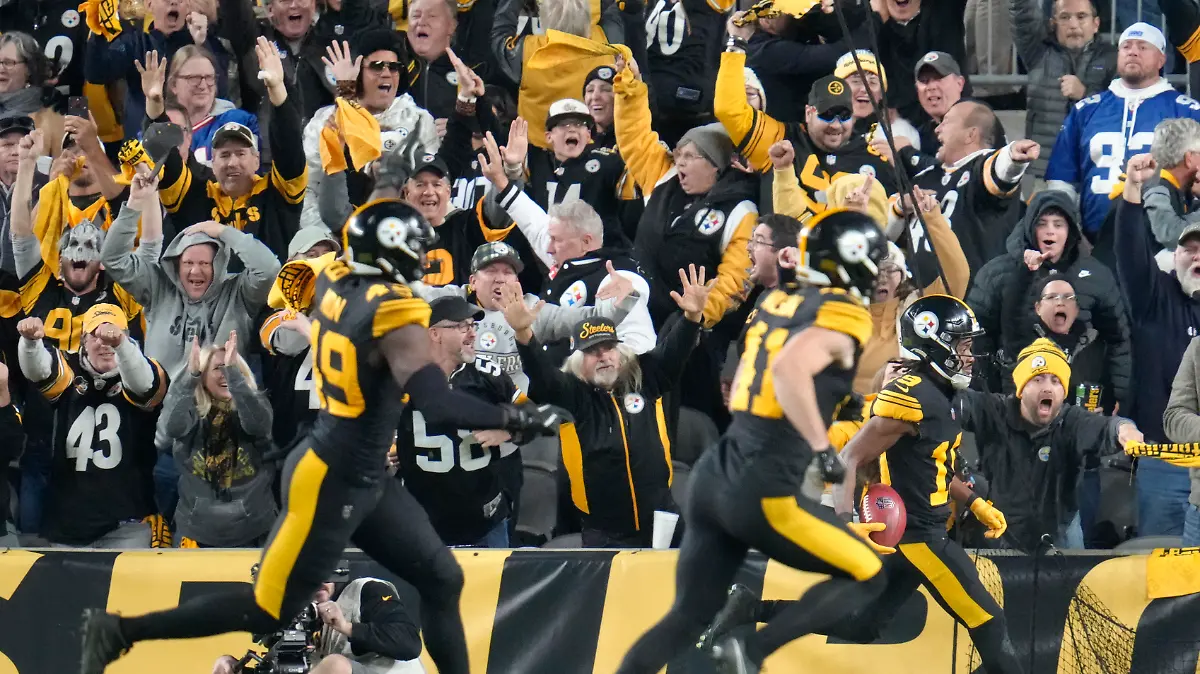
22	102
102	18
361	132
217	461
56	212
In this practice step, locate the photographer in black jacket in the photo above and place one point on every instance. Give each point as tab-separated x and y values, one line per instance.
368	630
617	453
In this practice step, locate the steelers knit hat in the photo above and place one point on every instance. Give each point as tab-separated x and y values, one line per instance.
1041	357
847	67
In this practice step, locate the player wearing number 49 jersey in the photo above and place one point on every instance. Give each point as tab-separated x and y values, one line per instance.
371	354
1103	131
105	399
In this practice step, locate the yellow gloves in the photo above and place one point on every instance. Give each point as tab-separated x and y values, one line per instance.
864	531
990	516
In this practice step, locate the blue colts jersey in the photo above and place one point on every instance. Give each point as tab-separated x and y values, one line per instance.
1102	132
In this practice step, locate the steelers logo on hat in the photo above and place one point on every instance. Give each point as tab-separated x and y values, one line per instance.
836	88
930	57
427	158
605	73
1037	362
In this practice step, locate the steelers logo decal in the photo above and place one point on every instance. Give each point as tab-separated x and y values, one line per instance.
836	88
710	221
1037	362
931	57
391	232
867	170
964	178
1044	454
70	18
487	341
452	78
339	29
926	324
592	166
634	403
575	295
427	158
605	73
852	246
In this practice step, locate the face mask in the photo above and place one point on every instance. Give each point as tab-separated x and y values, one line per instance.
81	243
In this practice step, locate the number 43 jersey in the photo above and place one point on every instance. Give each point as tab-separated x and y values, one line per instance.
919	467
102	471
460	484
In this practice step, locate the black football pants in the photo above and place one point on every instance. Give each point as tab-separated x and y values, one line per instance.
723	522
322	514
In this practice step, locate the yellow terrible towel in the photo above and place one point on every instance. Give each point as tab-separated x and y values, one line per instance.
360	130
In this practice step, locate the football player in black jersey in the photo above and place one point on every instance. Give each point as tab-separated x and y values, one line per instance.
916	438
458	475
799	362
369	334
105	400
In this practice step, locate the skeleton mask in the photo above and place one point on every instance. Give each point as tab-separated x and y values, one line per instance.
81	243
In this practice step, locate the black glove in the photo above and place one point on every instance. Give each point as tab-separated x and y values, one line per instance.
530	420
832	470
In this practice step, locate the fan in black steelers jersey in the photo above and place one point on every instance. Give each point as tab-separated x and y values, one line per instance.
976	186
455	474
574	167
798	366
59	28
683	41
916	439
60	297
105	400
371	349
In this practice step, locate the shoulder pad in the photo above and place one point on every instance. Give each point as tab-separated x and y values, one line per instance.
899	400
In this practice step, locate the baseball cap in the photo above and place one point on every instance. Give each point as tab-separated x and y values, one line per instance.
567	108
432	163
100	314
160	139
829	94
452	308
234	131
308	237
20	123
846	66
941	62
497	251
1145	32
1189	231
593	331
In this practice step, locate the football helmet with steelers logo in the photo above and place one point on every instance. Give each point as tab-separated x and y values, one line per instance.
388	237
932	331
841	248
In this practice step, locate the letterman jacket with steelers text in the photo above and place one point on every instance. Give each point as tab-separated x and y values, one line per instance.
617	453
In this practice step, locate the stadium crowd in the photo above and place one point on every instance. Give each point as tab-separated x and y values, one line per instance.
612	184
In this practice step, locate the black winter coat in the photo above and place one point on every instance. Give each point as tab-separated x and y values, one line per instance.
1002	298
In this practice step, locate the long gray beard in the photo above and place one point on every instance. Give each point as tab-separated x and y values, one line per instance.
1190	284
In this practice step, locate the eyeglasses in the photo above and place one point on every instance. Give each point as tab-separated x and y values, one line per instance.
841	117
9	64
685	157
380	66
199	79
572	124
1065	17
462	326
1065	298
762	243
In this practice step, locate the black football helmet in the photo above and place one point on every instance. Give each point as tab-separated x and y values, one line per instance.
841	248
390	237
931	328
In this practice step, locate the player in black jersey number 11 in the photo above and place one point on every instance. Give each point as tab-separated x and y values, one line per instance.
372	347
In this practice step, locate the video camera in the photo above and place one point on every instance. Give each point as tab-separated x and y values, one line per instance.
291	649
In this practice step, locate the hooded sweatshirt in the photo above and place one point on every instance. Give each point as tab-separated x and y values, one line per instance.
172	318
1002	297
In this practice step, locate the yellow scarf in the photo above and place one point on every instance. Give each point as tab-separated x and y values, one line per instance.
55	213
555	66
361	132
297	282
132	153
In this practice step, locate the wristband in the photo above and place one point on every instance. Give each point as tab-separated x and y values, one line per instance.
735	44
346	89
465	108
971	502
466	99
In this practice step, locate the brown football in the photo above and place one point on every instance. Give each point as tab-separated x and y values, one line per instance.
881	503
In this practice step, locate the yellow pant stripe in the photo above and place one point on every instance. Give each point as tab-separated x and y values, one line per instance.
282	552
831	544
946	583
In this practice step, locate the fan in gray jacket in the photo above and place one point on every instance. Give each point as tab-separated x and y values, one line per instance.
1066	63
1181	422
219	426
190	292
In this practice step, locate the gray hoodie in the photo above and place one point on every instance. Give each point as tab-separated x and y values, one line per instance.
172	318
